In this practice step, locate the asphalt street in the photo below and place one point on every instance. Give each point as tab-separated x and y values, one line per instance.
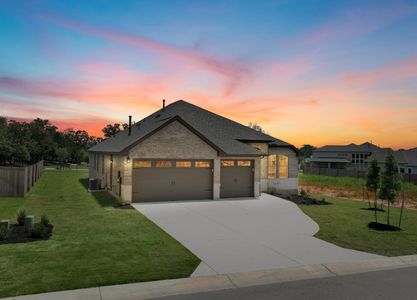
398	284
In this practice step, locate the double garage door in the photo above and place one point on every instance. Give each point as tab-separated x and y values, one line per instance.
170	180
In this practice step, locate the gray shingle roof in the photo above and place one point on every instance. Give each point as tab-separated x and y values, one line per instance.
403	157
223	134
348	148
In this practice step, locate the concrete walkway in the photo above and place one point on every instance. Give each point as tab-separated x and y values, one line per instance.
246	235
157	289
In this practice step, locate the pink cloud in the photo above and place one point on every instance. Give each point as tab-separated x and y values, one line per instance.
232	70
402	70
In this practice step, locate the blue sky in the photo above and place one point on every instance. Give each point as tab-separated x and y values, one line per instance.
308	71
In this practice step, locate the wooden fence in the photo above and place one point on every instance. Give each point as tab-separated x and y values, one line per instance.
350	173
17	181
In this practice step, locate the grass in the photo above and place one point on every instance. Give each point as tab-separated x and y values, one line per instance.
93	244
345	224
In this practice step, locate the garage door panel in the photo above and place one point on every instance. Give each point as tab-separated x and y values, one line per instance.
236	180
174	183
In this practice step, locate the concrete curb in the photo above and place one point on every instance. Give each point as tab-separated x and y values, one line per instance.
154	289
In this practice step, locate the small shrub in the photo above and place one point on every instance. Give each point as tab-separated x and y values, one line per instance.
21	215
303	193
44	220
272	190
4	233
121	201
38	230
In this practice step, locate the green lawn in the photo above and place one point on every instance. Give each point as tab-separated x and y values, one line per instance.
92	244
344	223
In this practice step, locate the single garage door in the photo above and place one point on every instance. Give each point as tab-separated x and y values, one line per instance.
168	180
236	178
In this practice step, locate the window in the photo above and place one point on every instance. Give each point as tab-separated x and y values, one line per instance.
244	163
283	166
402	170
142	164
183	164
202	164
163	164
227	163
272	166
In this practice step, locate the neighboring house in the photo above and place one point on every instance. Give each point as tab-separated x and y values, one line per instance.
183	152
406	159
350	156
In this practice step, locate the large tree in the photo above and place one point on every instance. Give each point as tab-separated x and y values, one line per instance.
307	150
390	182
112	129
23	142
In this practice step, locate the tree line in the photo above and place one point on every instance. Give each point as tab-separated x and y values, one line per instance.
28	142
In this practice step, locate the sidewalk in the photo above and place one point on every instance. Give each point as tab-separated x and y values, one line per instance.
148	290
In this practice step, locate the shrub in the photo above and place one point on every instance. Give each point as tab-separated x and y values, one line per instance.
272	190
4	233
303	193
38	230
121	201
44	220
21	215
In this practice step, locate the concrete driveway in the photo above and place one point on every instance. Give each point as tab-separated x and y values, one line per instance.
241	235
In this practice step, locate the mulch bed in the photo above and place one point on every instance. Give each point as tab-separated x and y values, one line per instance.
382	227
19	235
303	199
124	206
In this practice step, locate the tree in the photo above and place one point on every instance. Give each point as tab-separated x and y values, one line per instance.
21	144
111	129
62	154
307	150
256	127
373	182
390	182
5	146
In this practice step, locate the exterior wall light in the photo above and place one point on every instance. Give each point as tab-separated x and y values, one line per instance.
128	159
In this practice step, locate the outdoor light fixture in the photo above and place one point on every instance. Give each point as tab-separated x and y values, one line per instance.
128	159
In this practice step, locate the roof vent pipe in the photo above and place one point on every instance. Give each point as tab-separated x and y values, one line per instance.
130	125
163	104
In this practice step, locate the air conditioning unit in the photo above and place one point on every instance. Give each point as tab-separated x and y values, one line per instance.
93	184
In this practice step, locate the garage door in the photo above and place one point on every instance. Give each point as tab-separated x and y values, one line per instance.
236	178
168	180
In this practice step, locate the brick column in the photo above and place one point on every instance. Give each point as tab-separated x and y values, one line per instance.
216	179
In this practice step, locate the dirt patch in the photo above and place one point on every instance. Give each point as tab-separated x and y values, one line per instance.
124	206
17	234
302	199
355	193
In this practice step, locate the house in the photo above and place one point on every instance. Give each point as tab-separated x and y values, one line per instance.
406	159
350	156
184	152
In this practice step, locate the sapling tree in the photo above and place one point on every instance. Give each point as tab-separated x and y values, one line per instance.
373	182
390	182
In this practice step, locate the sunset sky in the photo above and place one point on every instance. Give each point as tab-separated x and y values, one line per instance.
318	72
